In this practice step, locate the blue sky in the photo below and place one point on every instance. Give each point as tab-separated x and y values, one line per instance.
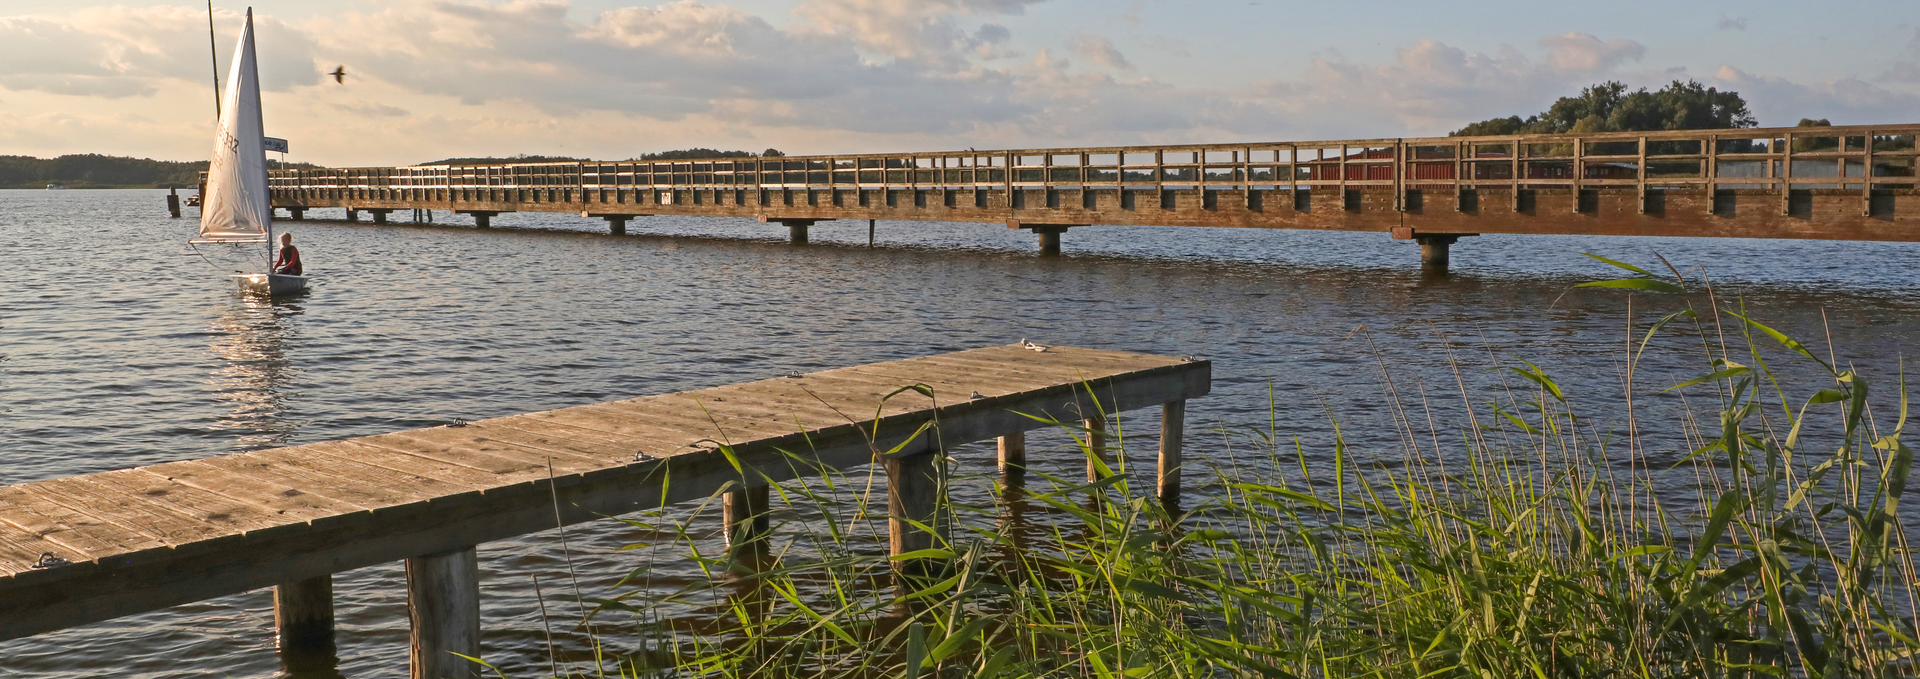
612	79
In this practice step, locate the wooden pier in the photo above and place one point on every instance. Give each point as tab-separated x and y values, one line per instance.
1823	183
85	549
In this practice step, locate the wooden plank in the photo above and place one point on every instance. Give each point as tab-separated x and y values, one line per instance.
61	525
506	430
534	431
355	452
277	469
291	502
107	503
193	503
19	551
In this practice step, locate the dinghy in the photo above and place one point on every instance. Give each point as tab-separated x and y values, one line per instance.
236	207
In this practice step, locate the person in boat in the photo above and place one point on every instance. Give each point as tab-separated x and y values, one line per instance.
289	262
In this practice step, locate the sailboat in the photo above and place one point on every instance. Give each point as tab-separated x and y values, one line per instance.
237	207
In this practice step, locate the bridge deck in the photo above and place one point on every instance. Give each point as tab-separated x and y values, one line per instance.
150	537
1835	183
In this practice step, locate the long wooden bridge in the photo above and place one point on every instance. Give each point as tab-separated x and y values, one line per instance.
96	547
1829	183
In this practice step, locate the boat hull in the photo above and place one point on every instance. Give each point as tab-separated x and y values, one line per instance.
271	285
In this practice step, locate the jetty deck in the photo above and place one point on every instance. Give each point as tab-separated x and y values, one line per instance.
89	548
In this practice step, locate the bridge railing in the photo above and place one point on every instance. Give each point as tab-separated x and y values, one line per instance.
1862	158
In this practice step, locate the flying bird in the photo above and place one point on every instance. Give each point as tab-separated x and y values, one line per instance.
339	74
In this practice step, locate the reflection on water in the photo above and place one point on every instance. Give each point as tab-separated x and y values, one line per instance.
253	374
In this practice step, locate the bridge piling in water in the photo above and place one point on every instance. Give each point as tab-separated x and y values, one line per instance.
1434	252
481	218
146	538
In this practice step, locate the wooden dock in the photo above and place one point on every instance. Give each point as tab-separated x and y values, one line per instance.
85	549
1825	183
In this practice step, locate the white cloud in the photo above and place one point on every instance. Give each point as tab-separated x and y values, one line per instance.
1727	23
1583	53
115	52
1100	50
1845	101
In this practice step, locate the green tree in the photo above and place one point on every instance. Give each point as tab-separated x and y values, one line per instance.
1610	107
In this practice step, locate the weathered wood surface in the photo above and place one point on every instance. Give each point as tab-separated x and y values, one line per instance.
153	537
1711	183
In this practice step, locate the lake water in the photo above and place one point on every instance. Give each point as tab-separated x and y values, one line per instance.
124	347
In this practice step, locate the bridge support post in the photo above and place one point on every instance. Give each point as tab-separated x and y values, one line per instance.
796	228
379	214
303	620
1173	429
443	602
1049	234
913	493
616	222
744	511
1434	251
353	215
481	218
298	213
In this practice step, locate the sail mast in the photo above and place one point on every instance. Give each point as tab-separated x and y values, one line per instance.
213	44
264	181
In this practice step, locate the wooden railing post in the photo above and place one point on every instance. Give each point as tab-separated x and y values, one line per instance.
913	494
1173	428
443	601
303	620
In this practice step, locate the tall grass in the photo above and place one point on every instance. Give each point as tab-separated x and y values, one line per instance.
1525	540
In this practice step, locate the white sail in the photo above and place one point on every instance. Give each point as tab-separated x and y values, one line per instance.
236	207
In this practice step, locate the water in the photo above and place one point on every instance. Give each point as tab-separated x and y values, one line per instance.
123	347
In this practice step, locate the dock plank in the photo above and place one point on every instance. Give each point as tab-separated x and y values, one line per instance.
89	496
56	523
291	502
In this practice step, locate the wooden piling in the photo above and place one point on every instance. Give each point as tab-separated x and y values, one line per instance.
1013	454
303	618
1096	445
173	203
913	494
443	601
1173	429
744	513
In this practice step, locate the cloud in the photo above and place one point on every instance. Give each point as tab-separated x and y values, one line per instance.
1583	53
119	52
1727	23
370	109
1845	100
1171	46
1100	50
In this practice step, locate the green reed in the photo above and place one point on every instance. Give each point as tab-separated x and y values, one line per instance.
1524	541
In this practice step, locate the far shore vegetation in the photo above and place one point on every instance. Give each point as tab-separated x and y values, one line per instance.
96	171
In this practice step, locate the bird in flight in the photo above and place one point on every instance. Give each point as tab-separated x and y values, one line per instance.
339	74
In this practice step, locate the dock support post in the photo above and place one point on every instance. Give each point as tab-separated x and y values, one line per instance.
303	620
298	213
173	203
1173	428
797	234
913	494
1433	252
869	232
744	511
617	226
353	215
379	215
1096	446
443	601
1013	454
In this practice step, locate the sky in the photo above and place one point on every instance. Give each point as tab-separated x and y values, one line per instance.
608	79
